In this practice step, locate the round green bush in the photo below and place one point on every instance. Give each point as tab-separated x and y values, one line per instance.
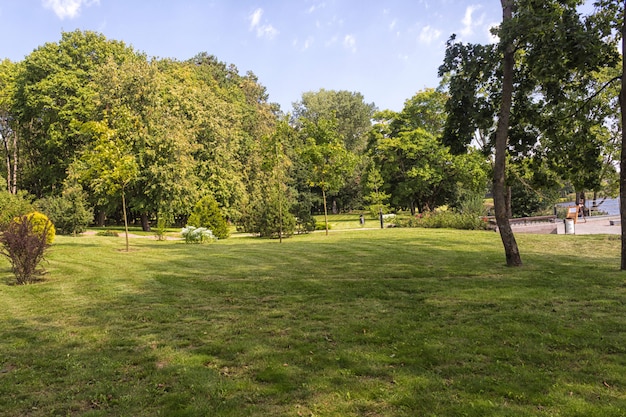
40	224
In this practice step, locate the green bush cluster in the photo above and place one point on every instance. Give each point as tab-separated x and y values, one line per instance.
12	206
207	214
444	219
69	213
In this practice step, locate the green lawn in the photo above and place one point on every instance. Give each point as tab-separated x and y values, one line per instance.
393	322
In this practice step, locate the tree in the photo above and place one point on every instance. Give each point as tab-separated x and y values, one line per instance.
353	114
326	157
53	98
145	107
206	213
375	197
611	15
546	54
8	123
108	166
270	213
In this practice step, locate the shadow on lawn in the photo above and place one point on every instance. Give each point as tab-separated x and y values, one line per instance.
396	326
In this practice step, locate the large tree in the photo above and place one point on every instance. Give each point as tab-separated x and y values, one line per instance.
53	98
546	53
9	133
326	157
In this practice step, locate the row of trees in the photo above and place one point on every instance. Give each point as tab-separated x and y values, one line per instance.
156	136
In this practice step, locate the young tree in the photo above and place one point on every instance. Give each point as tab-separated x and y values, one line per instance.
108	166
325	155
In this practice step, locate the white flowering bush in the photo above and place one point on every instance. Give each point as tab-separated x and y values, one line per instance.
193	234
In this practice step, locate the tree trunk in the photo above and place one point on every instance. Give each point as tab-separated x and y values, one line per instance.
10	148
502	132
125	220
101	218
145	223
325	210
622	174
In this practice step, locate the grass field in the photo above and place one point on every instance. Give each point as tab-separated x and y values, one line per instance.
393	322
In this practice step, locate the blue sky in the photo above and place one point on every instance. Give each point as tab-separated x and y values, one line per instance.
386	50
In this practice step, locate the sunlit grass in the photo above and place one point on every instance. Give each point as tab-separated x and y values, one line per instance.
413	322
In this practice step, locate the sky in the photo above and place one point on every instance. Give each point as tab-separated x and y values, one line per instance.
387	50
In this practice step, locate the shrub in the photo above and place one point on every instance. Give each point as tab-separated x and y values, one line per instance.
444	219
24	242
108	233
193	234
207	214
12	206
69	213
40	224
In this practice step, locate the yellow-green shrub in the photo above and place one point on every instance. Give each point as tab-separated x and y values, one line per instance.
40	223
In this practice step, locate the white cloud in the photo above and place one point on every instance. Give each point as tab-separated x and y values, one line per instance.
392	25
316	7
349	42
469	22
67	8
255	18
262	30
303	46
429	34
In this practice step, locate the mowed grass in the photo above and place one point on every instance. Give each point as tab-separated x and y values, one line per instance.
393	322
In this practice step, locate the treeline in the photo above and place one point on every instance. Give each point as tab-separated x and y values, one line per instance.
91	123
93	117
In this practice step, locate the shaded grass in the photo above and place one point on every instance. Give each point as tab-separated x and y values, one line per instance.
377	323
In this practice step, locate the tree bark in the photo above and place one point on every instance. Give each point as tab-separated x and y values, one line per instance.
622	174
502	132
125	220
325	210
145	223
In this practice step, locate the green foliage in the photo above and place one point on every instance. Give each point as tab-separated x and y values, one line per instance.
108	233
206	213
12	206
448	219
349	108
270	223
305	221
24	242
69	213
40	224
162	221
193	234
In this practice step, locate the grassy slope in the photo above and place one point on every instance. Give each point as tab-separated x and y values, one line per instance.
375	323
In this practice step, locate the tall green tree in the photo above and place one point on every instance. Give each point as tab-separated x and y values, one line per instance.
353	115
53	98
325	155
9	129
611	15
546	52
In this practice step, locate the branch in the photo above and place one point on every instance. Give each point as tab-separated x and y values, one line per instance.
594	95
